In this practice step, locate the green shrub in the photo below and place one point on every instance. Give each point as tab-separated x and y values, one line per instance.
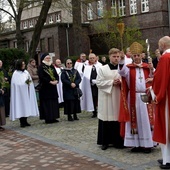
10	55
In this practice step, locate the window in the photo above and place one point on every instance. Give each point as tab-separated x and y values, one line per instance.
15	44
51	19
89	11
31	24
26	46
121	7
118	10
133	7
30	3
36	3
100	8
58	17
114	8
144	6
42	45
25	25
50	45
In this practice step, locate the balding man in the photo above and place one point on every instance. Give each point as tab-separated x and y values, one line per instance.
89	88
161	97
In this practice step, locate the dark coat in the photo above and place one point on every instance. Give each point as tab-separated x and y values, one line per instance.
155	62
68	91
47	90
1	99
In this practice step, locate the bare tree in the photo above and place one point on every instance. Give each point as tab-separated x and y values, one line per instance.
16	14
17	10
39	26
77	28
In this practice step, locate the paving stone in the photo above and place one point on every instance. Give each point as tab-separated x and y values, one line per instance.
66	145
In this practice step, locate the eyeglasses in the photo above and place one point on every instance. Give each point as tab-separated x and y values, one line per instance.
69	63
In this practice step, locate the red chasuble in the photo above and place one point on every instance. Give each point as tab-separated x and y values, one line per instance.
161	88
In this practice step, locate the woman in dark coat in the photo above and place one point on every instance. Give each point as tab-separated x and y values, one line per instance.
49	107
71	80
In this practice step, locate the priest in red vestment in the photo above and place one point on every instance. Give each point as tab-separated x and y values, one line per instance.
139	122
161	97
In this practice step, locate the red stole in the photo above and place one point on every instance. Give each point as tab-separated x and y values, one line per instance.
124	113
79	61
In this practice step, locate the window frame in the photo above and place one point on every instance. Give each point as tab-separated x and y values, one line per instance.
89	11
100	8
122	8
144	6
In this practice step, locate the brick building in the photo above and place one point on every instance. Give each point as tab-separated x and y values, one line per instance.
56	38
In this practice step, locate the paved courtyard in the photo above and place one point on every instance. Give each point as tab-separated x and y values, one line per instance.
66	145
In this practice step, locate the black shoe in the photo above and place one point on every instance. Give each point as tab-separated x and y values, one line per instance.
136	149
76	118
104	147
70	119
167	166
147	150
48	121
55	121
94	115
160	161
27	124
22	125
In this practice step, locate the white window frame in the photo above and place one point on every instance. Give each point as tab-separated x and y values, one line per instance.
144	6
26	45
36	3
51	19
31	24
31	4
25	24
133	7
15	44
121	4
58	17
89	12
114	8
100	9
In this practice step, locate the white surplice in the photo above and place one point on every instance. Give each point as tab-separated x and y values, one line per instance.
86	100
144	136
109	95
59	86
165	147
23	101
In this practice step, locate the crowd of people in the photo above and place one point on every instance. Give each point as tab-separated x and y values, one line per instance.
110	90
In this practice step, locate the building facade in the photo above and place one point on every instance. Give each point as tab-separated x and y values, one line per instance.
56	37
